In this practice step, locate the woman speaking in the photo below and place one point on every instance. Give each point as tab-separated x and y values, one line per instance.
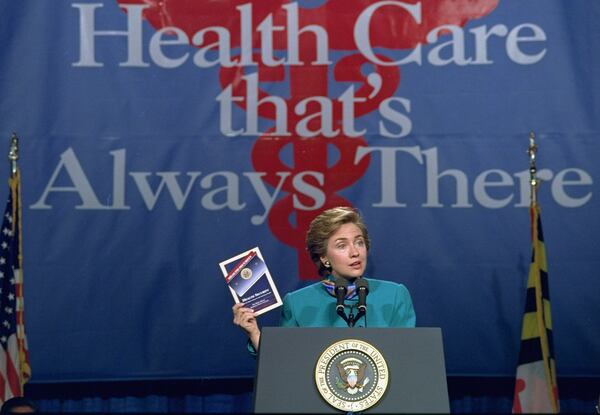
338	243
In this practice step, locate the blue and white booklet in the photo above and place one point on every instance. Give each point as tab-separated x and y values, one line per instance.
250	281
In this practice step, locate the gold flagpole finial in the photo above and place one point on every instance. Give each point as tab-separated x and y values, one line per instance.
533	180
13	153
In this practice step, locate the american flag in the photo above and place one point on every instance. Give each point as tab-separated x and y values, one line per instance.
14	359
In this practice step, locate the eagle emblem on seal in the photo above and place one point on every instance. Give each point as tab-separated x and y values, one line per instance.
352	375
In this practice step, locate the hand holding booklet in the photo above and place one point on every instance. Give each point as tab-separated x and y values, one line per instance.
250	282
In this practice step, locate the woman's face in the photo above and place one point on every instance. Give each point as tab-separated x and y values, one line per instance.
346	252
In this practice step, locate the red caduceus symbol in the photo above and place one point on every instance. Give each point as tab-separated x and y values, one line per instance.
321	161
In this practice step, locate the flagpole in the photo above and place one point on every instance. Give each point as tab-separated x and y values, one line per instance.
535	386
543	315
13	154
533	180
13	345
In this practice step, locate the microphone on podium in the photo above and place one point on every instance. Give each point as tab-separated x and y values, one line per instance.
362	286
341	288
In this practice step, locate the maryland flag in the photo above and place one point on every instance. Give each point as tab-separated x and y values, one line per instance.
14	360
535	388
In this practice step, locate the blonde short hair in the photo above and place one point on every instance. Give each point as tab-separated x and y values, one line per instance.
326	224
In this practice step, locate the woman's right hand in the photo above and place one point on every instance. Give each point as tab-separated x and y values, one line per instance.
244	317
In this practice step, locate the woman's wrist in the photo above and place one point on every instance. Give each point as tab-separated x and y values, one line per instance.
254	338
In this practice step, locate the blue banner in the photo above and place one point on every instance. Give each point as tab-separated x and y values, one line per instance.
159	138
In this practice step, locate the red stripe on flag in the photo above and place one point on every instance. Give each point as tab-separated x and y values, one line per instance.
13	375
10	384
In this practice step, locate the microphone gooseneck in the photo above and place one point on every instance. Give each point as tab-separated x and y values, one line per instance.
341	288
362	286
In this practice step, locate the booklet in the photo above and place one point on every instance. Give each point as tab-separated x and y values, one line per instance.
250	281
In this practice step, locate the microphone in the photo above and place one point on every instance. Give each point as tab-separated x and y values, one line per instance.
362	286
341	288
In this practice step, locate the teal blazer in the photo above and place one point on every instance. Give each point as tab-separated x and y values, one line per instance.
388	305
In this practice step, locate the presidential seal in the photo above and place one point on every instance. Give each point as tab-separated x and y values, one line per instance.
351	375
246	273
